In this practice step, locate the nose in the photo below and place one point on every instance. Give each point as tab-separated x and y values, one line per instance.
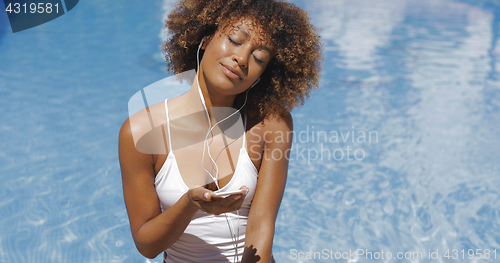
241	56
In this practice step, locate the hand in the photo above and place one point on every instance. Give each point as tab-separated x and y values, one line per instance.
203	199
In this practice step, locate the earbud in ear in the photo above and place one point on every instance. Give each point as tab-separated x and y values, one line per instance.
202	41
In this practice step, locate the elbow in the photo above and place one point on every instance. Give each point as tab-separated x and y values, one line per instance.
150	249
152	256
149	245
149	253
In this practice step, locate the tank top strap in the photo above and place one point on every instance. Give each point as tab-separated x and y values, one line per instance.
244	133
168	128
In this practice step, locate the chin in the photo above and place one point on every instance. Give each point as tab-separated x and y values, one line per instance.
224	86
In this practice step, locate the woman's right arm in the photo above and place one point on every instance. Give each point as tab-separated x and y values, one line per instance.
152	230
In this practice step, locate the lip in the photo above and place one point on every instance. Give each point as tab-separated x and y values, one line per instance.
231	72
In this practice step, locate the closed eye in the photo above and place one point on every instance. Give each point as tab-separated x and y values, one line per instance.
258	60
232	41
237	44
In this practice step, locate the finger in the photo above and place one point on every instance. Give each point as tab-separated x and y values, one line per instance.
201	194
226	202
236	205
207	196
234	202
236	198
246	190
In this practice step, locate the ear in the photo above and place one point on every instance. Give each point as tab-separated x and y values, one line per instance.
205	42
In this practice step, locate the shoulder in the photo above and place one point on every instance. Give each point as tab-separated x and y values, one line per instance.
144	120
277	127
144	128
272	126
281	122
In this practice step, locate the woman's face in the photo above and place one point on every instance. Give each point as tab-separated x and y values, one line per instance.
235	58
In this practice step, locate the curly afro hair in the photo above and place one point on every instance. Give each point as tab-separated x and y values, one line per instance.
291	74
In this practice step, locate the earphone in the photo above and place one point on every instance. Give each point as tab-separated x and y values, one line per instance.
206	110
201	43
233	237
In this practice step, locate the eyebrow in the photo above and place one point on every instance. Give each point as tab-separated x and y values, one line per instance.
248	37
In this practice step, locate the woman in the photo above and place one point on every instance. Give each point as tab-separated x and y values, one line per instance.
258	56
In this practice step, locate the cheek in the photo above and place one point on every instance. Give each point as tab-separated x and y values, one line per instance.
217	47
224	48
257	73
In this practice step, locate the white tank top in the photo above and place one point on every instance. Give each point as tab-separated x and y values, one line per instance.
207	238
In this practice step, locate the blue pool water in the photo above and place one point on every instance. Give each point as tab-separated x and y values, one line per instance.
397	151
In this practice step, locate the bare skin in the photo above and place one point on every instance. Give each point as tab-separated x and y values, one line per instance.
154	231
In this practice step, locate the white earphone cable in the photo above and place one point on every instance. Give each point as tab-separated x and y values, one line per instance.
231	230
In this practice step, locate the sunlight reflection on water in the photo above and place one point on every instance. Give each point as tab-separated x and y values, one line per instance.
418	74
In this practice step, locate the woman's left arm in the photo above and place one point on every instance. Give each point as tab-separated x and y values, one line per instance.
277	135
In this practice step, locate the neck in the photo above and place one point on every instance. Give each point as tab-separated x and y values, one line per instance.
212	98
